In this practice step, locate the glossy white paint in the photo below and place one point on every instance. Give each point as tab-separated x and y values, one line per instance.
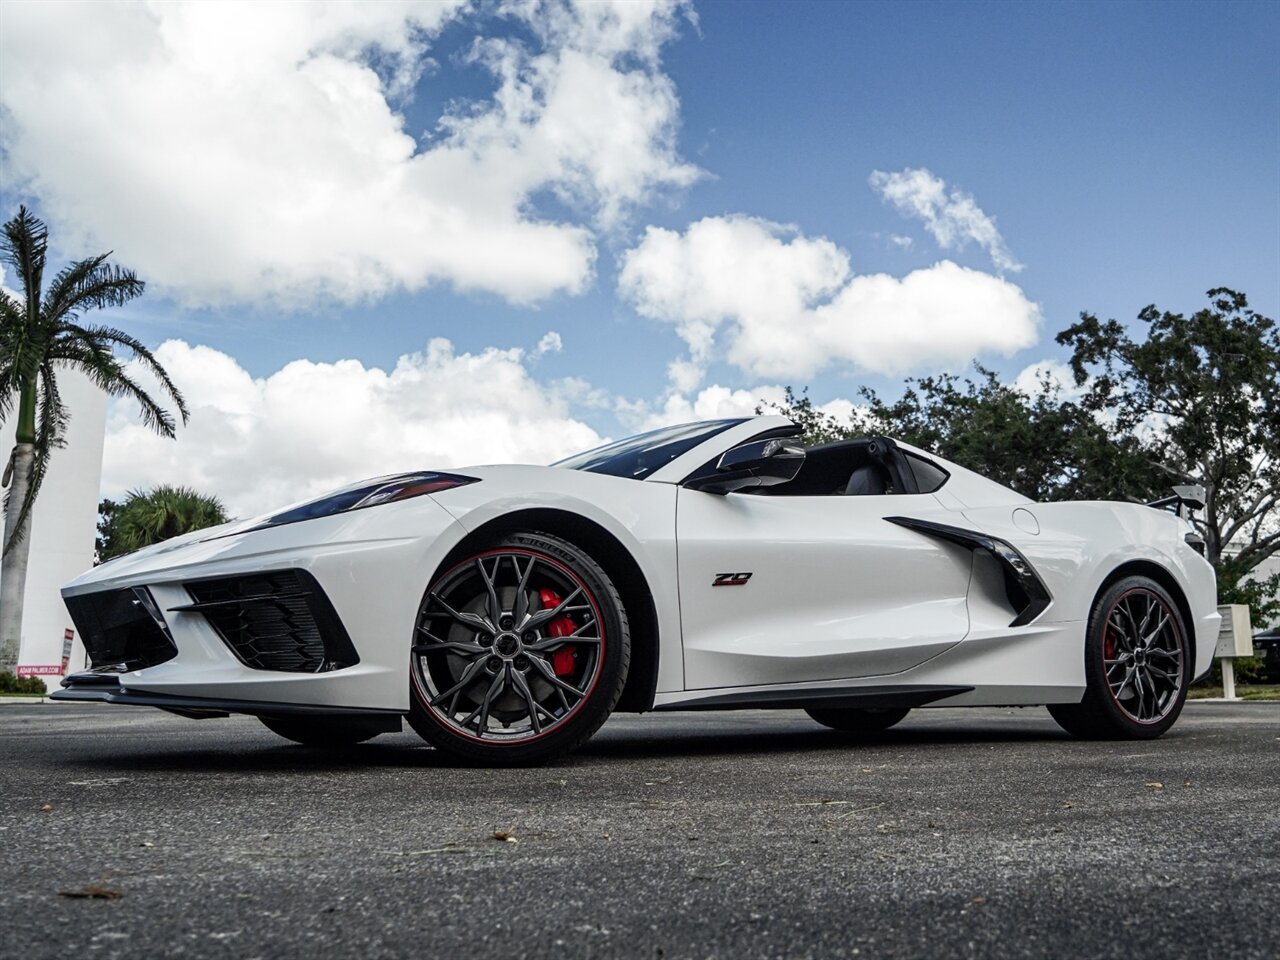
838	598
835	591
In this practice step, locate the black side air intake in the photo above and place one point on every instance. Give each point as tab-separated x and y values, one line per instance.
1026	591
279	620
122	630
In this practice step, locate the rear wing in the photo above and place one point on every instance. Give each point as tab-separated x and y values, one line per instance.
1184	502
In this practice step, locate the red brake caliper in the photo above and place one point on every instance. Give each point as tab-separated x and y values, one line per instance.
564	660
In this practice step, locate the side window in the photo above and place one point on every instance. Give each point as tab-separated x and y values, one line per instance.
929	476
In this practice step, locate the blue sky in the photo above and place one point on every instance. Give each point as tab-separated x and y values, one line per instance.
1128	153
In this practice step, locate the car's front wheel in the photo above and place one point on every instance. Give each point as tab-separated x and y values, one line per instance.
519	653
1137	665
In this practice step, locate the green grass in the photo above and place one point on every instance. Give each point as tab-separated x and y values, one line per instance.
1258	691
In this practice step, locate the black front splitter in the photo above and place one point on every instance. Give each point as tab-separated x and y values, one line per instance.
107	688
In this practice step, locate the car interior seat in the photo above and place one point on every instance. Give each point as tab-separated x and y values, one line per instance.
867	480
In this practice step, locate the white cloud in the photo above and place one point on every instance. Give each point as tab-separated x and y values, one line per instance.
790	306
1059	376
901	242
233	152
550	343
309	427
953	217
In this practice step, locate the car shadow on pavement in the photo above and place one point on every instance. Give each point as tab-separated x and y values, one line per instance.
253	755
720	743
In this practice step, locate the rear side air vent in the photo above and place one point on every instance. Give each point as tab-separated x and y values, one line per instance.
280	620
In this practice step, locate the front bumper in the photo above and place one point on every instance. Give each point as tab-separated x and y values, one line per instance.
371	567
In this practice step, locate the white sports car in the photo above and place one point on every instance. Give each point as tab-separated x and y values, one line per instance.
506	611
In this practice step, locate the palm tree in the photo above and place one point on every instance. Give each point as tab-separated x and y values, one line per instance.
145	518
40	335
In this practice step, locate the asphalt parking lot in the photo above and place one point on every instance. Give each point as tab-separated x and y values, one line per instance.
734	835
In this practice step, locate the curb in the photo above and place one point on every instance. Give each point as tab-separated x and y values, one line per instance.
24	700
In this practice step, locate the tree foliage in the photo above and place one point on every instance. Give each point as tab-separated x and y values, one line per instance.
147	517
41	335
1193	399
1202	393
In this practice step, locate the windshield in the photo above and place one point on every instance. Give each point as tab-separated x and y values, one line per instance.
639	456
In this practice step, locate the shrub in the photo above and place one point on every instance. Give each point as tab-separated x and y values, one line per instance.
28	685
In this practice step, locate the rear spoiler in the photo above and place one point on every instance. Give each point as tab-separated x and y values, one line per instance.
1184	502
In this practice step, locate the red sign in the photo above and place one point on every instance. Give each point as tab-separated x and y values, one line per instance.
50	670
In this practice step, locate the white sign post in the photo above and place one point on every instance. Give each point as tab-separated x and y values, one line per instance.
1235	639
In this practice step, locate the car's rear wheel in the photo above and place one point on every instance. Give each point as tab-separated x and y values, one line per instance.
333	732
1137	665
519	654
866	722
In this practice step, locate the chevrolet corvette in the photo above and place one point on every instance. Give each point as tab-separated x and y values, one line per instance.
507	611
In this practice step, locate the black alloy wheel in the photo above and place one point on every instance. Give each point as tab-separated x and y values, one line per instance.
519	653
861	721
1137	665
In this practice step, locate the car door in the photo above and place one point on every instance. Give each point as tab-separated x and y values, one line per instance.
787	589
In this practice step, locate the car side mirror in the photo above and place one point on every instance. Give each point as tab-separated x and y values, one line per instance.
762	463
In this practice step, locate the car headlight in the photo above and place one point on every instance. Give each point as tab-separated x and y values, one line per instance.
369	493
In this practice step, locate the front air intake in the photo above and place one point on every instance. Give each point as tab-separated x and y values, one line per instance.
280	620
122	630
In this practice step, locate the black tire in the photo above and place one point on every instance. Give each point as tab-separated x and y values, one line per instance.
1143	708
865	722
330	732
568	707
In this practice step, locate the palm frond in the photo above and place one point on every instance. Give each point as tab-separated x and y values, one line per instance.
24	246
89	284
109	335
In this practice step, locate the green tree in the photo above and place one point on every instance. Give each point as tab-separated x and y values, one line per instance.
1203	392
144	518
40	336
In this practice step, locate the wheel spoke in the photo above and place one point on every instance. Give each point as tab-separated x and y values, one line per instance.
457	646
532	621
481	713
1150	638
549	674
469	674
494	608
522	687
473	620
522	588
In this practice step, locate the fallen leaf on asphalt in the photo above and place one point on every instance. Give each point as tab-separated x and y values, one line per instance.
46	808
504	836
1186	783
146	843
1156	785
978	900
93	891
1067	806
868	770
